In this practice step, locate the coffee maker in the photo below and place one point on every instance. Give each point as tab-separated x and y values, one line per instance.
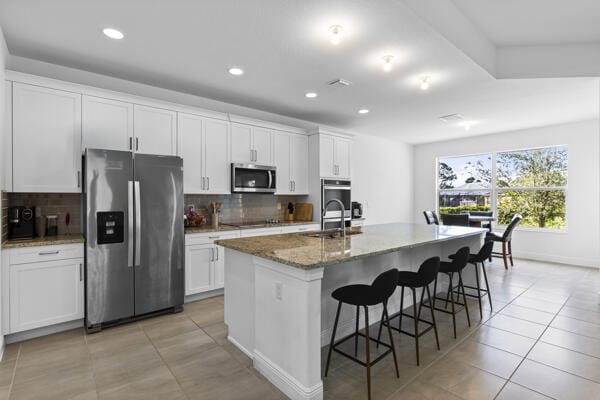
21	222
357	210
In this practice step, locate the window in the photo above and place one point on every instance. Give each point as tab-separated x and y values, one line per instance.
531	182
465	184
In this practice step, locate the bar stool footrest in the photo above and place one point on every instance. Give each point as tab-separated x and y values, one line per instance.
364	364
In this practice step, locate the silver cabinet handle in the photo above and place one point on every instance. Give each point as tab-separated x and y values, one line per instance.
255	155
216	248
47	253
294	182
80	272
202	183
208	183
214	237
130	212
78	179
137	144
290	186
130	143
251	155
212	254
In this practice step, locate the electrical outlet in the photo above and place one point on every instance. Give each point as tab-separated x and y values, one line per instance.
278	290
278	206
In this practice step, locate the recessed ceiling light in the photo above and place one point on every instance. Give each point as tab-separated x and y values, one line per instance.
467	124
335	32
113	33
363	111
310	95
425	82
236	71
387	62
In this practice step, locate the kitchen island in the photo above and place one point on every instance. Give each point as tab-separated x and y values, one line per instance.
278	305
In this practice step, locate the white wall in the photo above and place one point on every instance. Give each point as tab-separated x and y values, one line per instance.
3	64
580	244
382	179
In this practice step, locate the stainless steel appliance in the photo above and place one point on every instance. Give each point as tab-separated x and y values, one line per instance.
252	178
134	236
21	222
335	189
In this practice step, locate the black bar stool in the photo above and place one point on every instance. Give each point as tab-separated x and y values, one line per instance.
484	253
364	296
414	280
450	268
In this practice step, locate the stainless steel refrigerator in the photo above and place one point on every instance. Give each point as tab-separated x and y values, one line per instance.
134	235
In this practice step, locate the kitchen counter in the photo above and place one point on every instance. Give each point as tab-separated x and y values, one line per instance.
45	241
302	250
279	291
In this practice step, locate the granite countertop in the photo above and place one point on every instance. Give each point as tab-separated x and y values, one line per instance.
45	241
209	228
304	251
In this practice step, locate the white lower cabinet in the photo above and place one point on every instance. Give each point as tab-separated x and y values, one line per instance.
45	292
205	262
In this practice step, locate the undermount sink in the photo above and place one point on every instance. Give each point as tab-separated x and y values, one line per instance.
332	234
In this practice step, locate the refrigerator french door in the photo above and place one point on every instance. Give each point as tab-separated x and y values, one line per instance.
134	235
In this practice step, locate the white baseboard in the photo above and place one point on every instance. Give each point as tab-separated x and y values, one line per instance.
202	296
240	347
2	347
285	382
46	330
556	259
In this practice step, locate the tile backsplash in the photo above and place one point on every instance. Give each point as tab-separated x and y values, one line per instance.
245	207
52	204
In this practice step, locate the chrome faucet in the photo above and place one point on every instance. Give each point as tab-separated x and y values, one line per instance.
342	218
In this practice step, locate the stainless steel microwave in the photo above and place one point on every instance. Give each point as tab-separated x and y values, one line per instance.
252	178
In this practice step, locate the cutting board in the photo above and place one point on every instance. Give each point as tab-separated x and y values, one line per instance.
303	212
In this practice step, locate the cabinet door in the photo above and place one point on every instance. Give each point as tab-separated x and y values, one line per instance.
261	143
241	143
46	140
219	267
155	130
217	168
198	268
299	164
343	157
326	155
189	131
281	159
106	124
45	293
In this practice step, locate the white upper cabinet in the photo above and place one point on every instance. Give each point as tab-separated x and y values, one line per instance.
335	156
106	124
46	140
290	156
217	168
299	163
250	144
261	144
155	130
189	131
281	159
204	147
241	144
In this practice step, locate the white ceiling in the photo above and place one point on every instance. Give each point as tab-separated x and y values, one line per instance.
535	22
282	45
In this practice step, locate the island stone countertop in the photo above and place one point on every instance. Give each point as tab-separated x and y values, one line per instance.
43	241
303	250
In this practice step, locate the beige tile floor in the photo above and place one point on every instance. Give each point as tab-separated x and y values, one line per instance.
540	341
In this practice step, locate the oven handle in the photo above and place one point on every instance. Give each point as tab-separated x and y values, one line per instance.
337	187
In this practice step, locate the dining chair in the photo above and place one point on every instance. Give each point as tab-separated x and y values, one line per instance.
456	219
506	240
431	217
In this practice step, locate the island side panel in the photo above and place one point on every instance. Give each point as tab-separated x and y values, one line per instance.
239	300
364	271
288	327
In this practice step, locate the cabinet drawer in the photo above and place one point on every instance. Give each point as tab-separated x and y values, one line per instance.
260	232
45	253
301	228
209	238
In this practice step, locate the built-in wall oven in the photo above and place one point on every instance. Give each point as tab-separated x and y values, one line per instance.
335	189
252	178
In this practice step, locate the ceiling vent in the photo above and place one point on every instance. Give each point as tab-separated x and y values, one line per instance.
339	83
451	118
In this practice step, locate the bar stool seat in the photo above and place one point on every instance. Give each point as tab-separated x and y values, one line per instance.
414	280
475	259
364	296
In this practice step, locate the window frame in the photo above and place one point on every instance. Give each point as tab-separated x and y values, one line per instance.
495	190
